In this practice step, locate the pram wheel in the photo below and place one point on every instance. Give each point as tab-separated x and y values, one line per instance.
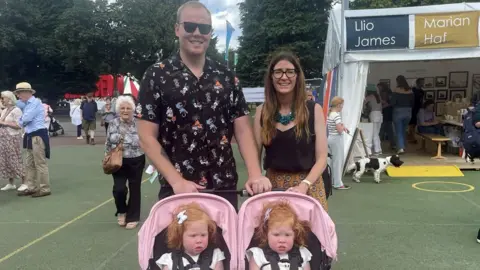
63	132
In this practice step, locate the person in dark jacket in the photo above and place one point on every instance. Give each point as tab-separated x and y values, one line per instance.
402	103
89	118
418	101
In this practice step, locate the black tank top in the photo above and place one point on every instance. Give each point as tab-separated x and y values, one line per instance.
286	153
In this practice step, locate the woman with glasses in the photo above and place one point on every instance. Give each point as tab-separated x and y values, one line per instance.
125	128
292	130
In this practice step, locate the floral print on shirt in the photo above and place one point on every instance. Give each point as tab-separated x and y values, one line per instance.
195	118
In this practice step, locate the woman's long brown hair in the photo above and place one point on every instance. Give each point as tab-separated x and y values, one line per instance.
271	104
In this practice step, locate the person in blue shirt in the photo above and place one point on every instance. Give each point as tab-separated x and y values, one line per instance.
20	104
35	141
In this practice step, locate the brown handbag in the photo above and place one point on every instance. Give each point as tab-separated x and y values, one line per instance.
112	162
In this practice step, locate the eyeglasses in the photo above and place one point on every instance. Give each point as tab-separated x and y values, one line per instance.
278	73
190	27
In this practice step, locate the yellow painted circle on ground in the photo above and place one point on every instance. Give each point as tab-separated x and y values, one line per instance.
469	187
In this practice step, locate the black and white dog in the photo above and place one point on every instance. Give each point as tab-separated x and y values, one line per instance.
377	165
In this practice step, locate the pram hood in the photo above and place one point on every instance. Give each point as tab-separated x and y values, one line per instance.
306	207
219	209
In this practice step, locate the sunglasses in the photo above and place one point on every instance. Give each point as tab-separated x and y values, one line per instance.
190	27
278	73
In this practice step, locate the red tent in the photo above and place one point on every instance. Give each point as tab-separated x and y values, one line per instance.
104	87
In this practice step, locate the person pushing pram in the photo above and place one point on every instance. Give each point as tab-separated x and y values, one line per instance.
53	126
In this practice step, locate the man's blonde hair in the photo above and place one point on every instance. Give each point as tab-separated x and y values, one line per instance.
192	4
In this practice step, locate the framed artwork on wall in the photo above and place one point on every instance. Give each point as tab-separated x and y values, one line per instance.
440	108
475	83
430	95
458	79
411	81
441	81
457	94
442	94
429	82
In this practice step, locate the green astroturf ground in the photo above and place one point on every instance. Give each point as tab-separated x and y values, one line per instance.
379	226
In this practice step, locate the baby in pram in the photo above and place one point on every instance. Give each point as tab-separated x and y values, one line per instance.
281	240
191	237
285	230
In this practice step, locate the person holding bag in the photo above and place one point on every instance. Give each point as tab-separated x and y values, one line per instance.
122	138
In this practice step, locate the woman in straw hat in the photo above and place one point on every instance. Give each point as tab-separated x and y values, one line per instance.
11	162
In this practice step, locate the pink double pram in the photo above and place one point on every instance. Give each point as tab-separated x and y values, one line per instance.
235	232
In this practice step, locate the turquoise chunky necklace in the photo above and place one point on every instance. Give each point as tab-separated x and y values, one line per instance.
285	119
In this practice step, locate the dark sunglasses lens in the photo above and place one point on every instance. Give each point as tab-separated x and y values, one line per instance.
189	27
204	29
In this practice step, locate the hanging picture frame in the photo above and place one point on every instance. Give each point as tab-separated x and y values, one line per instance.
428	82
441	81
458	79
440	108
442	94
457	94
475	83
429	95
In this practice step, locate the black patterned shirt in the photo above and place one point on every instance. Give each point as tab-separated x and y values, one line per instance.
195	118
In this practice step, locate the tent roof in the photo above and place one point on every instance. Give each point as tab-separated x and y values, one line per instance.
460	7
333	49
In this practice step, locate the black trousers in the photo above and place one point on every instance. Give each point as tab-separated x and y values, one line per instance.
167	191
131	172
79	130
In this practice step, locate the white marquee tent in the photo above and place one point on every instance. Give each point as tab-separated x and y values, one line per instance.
354	68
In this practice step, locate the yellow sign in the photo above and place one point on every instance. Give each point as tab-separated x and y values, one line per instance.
446	30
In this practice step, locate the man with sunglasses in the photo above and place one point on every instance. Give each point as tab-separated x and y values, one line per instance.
191	108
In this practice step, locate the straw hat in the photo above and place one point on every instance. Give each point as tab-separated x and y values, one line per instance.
24	86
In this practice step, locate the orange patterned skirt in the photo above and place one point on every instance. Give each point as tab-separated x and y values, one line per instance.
286	180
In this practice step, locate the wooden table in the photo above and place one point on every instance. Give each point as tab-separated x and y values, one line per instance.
438	139
452	123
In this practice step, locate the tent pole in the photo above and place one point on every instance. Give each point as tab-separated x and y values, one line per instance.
345	6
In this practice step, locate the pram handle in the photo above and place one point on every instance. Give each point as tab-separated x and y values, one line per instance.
241	193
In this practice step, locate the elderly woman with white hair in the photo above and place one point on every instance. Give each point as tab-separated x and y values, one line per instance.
11	161
133	163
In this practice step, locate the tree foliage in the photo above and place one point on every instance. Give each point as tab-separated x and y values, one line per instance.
372	4
62	46
271	25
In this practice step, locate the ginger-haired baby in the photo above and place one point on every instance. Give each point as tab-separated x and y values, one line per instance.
281	236
191	235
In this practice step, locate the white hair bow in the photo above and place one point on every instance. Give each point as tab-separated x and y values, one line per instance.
267	215
181	217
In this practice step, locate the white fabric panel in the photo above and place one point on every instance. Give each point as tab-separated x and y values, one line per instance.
331	56
253	95
352	89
